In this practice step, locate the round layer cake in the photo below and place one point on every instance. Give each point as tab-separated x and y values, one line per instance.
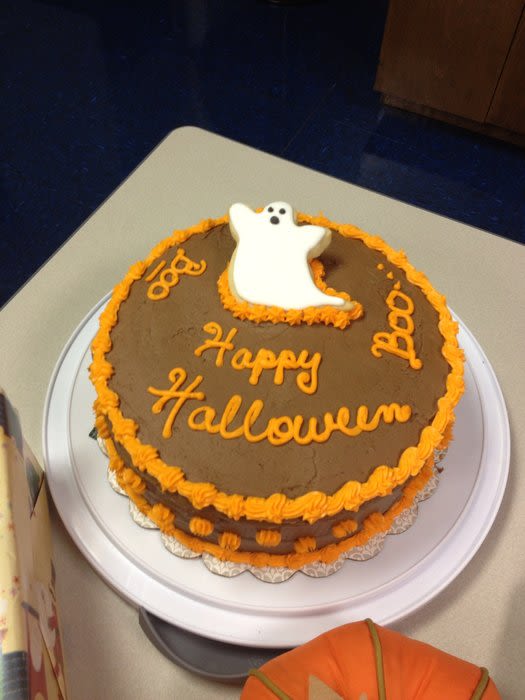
266	433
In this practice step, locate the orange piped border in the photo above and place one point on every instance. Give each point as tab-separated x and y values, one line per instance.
374	524
200	526
278	507
268	538
259	313
229	541
344	528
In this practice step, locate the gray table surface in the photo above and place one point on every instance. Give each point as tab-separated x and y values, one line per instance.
193	174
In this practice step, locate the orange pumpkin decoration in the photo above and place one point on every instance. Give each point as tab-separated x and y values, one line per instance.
362	661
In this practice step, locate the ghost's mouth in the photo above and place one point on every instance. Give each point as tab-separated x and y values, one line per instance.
274	220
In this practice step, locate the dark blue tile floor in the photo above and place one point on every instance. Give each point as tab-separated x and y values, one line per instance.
91	86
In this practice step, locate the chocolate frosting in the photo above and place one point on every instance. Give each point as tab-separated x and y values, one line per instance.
153	337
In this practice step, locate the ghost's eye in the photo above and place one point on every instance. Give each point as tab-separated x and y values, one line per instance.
282	211
270	209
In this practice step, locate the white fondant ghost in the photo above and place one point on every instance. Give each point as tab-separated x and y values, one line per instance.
270	263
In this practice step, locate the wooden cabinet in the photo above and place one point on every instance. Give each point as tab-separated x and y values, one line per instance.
507	109
458	60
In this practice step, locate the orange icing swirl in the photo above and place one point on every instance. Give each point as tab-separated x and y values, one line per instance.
200	494
229	540
233	507
201	527
162	515
305	544
133	481
268	538
344	528
102	427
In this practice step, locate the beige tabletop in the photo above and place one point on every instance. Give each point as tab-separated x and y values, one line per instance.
193	174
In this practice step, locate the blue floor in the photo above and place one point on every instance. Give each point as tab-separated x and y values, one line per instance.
91	86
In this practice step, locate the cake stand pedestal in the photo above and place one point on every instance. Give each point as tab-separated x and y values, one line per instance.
209	658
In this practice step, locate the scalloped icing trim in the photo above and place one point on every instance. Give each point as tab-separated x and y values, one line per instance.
278	507
375	524
259	313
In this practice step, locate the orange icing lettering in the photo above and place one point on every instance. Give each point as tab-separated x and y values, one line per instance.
279	430
178	377
228	416
243	360
153	274
252	414
307	381
264	359
390	342
208	414
216	342
168	278
284	429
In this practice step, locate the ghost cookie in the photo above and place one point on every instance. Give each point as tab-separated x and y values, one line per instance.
271	264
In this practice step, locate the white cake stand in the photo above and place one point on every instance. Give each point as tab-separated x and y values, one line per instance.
412	568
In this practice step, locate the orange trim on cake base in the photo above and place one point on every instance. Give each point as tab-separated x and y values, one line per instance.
227	549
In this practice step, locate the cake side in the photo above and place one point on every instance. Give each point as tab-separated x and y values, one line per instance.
293	545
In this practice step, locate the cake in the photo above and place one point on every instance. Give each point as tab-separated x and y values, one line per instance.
274	388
